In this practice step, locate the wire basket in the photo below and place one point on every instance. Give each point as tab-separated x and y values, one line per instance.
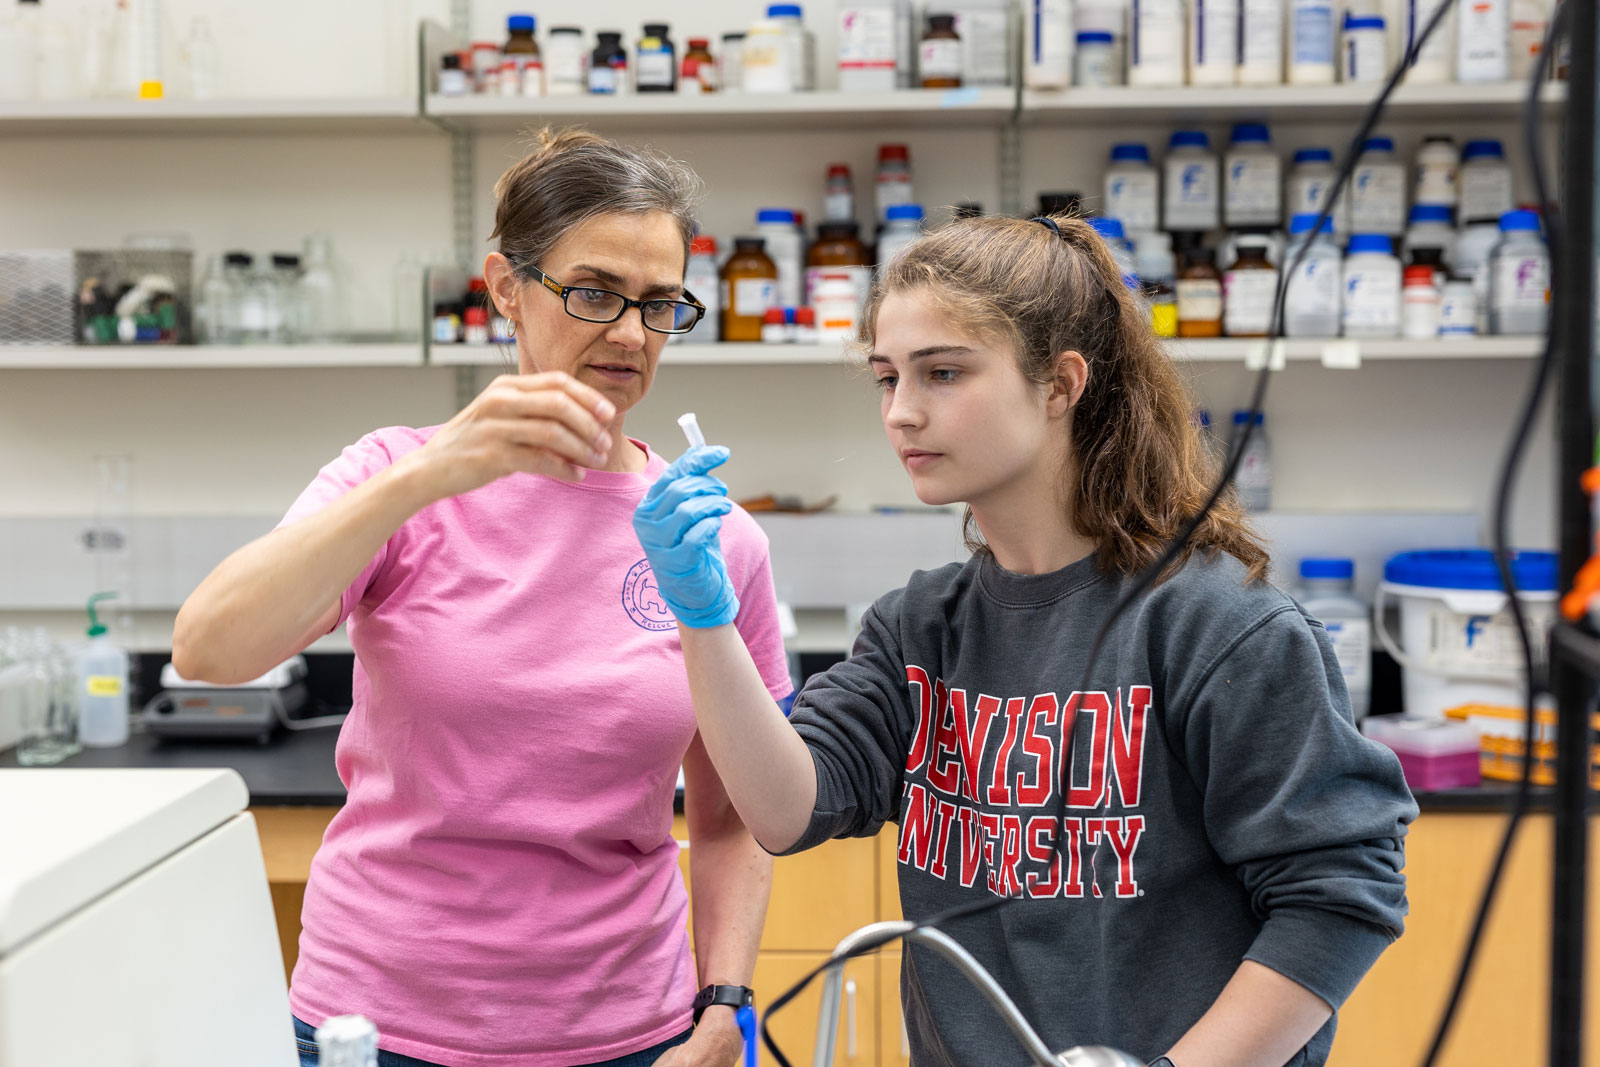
37	298
115	269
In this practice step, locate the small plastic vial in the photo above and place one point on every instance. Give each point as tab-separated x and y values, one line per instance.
775	328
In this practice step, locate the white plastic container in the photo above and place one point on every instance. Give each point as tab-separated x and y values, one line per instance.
1470	261
1530	20
1519	284
1094	60
1260	42
1435	754
102	673
1366	49
1371	288
787	250
1253	180
1483	41
1436	173
1419	304
1327	592
1458	309
1458	643
1191	197
702	278
1486	182
1311	42
1047	44
1133	188
1310	183
1106	16
1213	41
1155	43
904	227
1313	299
868	56
766	58
1433	64
984	27
837	298
564	62
802	47
1377	190
1430	228
1253	479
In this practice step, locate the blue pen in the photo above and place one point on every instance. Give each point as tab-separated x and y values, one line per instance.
747	1029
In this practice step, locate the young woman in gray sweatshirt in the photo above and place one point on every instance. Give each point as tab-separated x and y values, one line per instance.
1229	863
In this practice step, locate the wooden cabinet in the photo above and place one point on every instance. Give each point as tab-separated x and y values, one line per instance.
795	1027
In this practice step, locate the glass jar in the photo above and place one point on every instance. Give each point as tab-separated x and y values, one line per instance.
749	288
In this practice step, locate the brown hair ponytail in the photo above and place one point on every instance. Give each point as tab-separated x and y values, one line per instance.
1139	471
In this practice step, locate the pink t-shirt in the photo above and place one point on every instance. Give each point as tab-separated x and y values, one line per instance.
501	888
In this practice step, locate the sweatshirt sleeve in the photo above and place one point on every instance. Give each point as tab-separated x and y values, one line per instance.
857	722
1310	815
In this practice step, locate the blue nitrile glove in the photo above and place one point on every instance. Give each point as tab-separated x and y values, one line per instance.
677	522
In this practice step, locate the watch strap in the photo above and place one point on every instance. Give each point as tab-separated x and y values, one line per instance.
732	996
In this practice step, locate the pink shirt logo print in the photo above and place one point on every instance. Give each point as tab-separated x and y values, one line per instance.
643	601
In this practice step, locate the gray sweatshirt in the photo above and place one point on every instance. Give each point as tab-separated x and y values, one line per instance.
1221	807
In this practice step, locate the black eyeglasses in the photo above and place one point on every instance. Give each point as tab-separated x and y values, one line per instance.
602	305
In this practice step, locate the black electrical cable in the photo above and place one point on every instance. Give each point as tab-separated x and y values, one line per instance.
1533	143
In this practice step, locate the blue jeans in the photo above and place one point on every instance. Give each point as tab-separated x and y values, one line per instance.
305	1042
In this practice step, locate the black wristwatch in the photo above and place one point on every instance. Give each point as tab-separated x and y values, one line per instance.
734	996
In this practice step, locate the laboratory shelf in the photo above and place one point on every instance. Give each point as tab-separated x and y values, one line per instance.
721	354
1206	104
212	117
200	357
823	109
1338	352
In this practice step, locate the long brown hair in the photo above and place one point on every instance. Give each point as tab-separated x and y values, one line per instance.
1139	471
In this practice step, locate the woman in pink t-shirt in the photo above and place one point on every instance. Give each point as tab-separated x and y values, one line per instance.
501	887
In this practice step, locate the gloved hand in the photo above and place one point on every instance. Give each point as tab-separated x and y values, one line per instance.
678	522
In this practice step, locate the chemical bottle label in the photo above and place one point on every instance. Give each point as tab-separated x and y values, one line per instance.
103	685
1132	197
1521	283
1352	647
1247	300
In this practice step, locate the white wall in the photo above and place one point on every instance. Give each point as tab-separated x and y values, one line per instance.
1386	437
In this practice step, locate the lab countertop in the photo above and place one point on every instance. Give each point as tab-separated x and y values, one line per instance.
296	768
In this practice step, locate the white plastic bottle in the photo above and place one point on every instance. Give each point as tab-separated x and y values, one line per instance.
868	50
984	27
1366	49
1106	16
18	51
1310	183
766	63
1429	227
1327	592
1253	181
1133	188
1519	285
102	668
1437	172
1433	64
802	47
1213	42
776	226
1312	301
903	228
1311	42
1191	199
1377	190
1253	479
1047	44
1110	231
1486	182
1530	20
702	279
1469	261
1371	287
1483	41
1155	43
1261	42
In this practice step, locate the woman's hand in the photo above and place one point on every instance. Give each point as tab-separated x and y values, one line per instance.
714	1043
549	424
678	523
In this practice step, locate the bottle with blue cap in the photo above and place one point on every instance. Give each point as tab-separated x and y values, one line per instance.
802	45
1371	298
1133	188
903	228
1110	230
1429	226
1377	189
1365	55
1311	178
1327	591
1191	200
1313	299
1519	277
1094	60
1253	479
1253	178
786	247
1486	182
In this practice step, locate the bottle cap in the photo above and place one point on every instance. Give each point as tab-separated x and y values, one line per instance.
1371	242
773	317
1519	222
656	29
1242	417
1418	275
96	628
1378	144
1094	37
781	215
1313	155
1251	133
1327	569
1303	223
1362	22
1189	139
1129	152
904	211
703	245
1107	228
476	316
699	44
1484	149
523	23
1432	213
784	11
838	170
887	152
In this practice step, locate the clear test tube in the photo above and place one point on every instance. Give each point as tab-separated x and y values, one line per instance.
691	429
